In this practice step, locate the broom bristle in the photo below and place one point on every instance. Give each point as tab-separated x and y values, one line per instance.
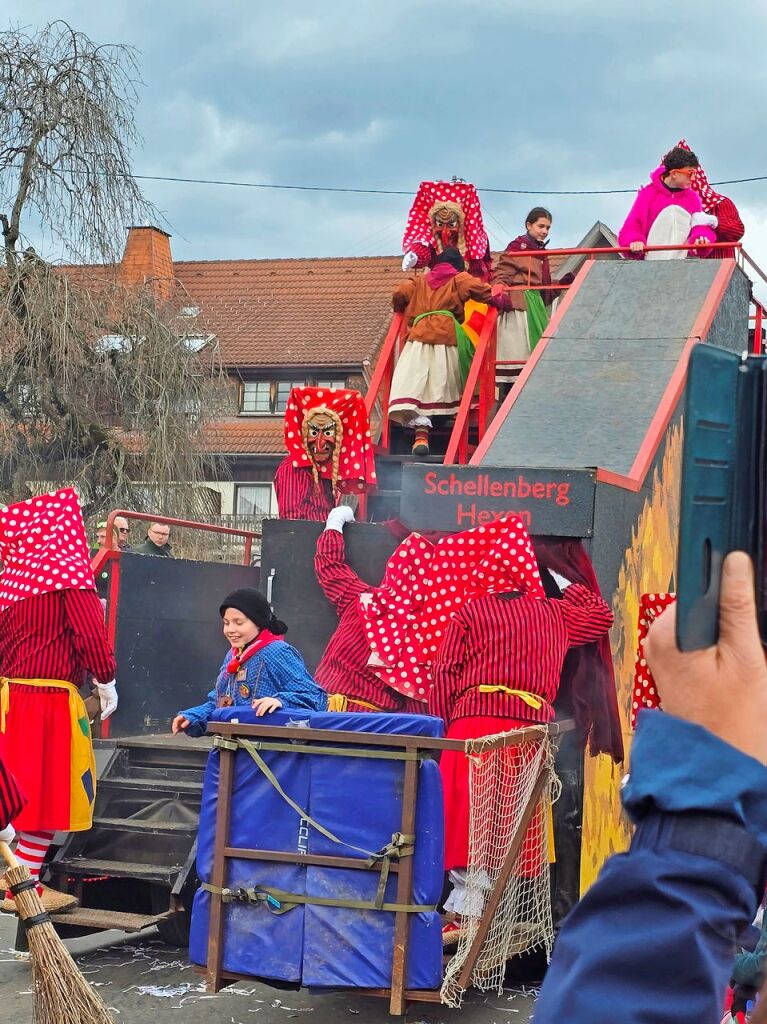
61	994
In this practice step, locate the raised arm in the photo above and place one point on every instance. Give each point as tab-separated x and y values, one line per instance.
338	580
586	615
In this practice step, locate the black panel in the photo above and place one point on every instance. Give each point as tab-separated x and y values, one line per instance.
169	645
287	572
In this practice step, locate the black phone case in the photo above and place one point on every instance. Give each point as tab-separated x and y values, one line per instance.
723	491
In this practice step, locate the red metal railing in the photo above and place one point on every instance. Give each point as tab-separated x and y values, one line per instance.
478	401
112	554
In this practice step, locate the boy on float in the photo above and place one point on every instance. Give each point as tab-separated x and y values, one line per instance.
260	671
669	211
498	669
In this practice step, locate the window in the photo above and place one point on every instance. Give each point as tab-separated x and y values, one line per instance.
254	500
333	384
267	397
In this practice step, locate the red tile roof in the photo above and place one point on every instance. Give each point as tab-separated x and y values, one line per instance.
245	436
298	312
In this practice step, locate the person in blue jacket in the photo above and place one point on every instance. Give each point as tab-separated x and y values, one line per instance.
261	671
653	940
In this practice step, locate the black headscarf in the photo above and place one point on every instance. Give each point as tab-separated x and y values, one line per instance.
253	604
452	256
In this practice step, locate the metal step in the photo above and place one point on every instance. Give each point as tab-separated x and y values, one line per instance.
108	920
157	785
159	828
164	873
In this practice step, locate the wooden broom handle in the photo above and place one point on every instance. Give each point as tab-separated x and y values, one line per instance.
7	856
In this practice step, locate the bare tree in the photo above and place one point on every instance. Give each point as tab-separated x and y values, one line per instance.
98	383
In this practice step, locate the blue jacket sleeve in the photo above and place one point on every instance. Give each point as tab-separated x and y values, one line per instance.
296	688
198	716
653	940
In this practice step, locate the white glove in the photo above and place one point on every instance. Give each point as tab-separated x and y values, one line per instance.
409	261
7	834
339	517
704	219
560	581
107	698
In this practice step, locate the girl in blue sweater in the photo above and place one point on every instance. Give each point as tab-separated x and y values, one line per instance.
261	671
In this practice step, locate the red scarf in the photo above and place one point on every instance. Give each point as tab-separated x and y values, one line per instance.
263	639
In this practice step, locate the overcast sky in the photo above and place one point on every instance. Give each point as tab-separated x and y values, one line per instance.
515	94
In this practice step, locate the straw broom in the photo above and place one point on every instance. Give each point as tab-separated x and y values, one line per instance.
60	992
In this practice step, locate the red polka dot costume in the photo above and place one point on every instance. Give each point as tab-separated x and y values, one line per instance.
472	241
52	637
306	488
644	693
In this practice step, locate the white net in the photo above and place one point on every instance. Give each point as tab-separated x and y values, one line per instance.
502	784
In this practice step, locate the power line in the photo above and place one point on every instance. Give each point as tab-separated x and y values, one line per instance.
409	192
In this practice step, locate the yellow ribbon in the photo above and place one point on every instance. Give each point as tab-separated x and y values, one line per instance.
340	702
531	699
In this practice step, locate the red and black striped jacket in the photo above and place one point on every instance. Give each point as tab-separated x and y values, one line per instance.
11	798
297	495
519	643
344	666
60	635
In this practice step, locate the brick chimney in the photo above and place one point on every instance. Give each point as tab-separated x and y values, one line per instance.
147	260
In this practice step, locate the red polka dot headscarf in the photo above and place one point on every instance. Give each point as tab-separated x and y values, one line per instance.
644	693
430	193
391	616
353	468
43	547
425	585
700	184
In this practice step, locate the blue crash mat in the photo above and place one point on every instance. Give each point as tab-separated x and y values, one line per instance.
360	802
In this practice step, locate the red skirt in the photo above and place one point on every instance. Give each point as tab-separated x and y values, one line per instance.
47	747
454	768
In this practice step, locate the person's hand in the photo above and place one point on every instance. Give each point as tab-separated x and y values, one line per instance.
339	517
700	240
107	698
264	705
7	834
722	688
410	260
636	246
180	724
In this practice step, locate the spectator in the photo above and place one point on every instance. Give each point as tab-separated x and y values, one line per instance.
652	941
123	531
157	541
668	211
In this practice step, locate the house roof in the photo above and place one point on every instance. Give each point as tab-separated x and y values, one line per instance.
245	436
297	312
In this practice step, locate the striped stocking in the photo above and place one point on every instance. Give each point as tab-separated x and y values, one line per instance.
31	850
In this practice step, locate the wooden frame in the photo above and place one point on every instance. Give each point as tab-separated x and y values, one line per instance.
423	747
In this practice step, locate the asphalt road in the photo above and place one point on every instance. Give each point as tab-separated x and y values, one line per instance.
144	981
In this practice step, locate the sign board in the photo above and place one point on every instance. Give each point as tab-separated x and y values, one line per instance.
559	502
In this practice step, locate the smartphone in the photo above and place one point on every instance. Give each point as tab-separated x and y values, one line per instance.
723	486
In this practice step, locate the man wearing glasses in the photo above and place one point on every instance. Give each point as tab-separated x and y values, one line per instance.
123	532
157	541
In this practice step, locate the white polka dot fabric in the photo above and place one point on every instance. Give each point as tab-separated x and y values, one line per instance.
425	584
43	547
356	468
418	228
644	694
